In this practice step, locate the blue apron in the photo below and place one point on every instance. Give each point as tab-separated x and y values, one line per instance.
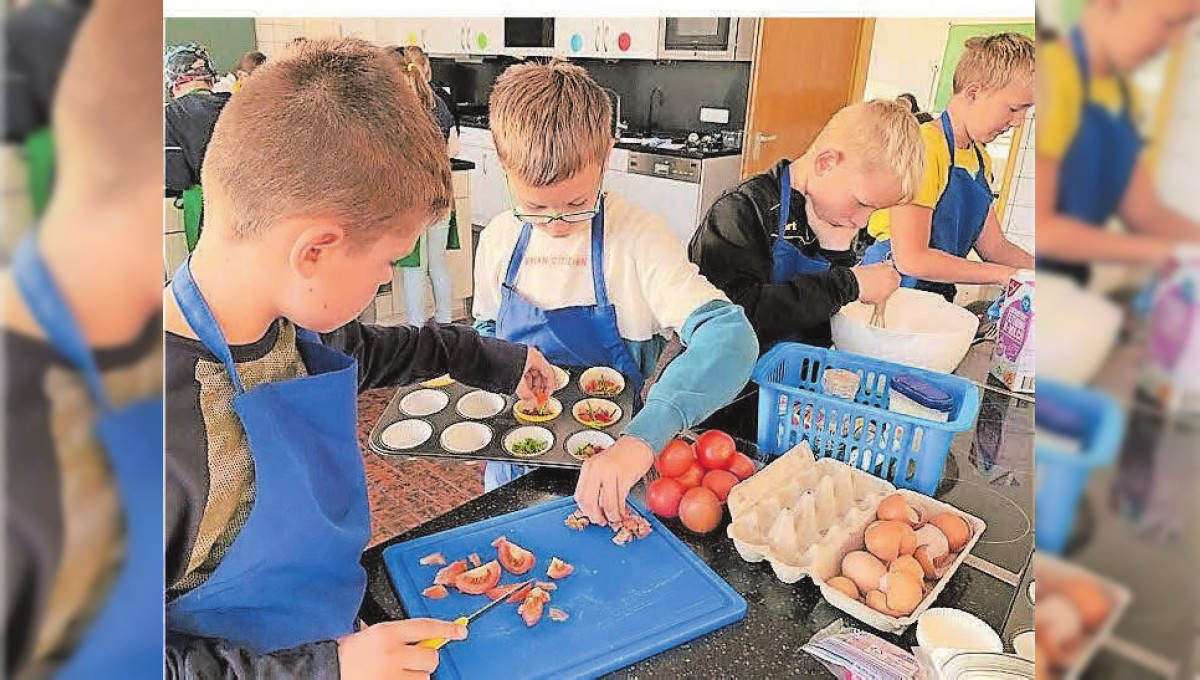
958	217
1098	165
581	336
292	575
125	638
788	261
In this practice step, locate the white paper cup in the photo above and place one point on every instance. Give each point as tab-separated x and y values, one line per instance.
478	405
541	434
424	402
466	437
562	376
406	434
597	372
584	437
945	628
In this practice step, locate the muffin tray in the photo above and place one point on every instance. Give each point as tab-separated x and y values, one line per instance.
434	406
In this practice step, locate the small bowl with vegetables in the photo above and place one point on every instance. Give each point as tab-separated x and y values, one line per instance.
601	381
587	443
596	413
530	441
528	412
561	378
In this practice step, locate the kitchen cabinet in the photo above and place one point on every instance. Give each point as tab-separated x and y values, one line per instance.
489	195
607	38
471	36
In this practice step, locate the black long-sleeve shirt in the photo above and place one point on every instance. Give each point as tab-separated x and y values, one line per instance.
732	247
188	124
209	469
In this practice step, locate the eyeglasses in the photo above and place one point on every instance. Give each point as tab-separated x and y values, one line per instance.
569	218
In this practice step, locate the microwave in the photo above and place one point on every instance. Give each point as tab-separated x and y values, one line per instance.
713	38
528	33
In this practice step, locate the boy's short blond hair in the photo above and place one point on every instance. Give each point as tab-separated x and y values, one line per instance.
549	121
880	134
329	129
994	61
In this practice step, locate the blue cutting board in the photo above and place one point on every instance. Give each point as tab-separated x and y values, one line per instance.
625	602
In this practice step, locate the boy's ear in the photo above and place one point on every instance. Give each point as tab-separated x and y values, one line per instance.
314	245
972	91
827	160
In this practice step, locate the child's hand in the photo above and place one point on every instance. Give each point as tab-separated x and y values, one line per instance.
389	650
606	479
538	380
876	281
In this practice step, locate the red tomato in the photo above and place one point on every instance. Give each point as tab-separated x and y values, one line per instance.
675	458
479	580
700	511
447	575
531	607
503	591
742	466
720	482
434	592
558	569
662	496
715	449
514	558
693	477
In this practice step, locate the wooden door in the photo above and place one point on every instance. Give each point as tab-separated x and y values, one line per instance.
804	71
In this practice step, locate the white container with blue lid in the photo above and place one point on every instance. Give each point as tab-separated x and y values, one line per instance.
912	395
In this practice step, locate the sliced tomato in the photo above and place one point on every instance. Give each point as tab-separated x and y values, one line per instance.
447	575
432	558
514	558
474	558
479	580
497	541
502	591
559	569
531	608
435	592
557	614
546	585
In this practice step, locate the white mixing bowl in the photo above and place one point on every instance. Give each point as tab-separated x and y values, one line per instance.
920	329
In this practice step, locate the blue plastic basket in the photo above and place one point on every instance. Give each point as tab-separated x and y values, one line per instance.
1060	476
907	451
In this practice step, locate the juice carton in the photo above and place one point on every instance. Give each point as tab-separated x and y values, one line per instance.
1012	356
1172	363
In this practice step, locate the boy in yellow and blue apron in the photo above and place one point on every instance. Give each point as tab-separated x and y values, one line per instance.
952	212
322	171
1089	161
591	280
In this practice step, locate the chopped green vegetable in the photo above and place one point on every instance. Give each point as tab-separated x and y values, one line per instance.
529	446
602	387
588	450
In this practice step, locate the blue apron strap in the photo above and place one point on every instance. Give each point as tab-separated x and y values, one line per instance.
948	133
598	286
785	199
50	310
981	173
1081	61
518	254
198	315
307	335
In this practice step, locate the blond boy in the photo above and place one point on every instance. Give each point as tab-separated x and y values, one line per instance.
783	244
590	279
951	212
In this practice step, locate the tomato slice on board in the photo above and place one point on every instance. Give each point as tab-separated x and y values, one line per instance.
474	559
479	580
531	608
505	590
557	614
435	592
514	558
447	575
559	569
432	558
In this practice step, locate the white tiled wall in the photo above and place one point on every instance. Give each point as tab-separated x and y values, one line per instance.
274	34
1018	211
1176	172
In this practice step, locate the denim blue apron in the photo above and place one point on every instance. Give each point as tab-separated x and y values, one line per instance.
292	575
581	336
125	638
788	261
1098	165
958	217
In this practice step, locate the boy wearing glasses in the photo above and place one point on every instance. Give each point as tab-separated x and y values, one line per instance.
536	283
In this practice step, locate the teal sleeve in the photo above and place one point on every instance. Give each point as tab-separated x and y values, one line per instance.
485	327
720	350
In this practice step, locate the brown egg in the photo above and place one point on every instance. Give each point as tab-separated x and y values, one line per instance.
878	601
909	565
1089	600
903	592
889	539
1058	627
956	529
845	585
864	569
895	508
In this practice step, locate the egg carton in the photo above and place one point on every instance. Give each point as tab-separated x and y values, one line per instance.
779	497
1051	571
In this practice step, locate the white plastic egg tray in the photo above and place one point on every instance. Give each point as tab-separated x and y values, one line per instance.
804	515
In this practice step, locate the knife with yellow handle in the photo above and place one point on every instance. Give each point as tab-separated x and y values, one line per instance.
438	643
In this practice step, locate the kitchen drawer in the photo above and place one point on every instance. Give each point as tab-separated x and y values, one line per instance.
461	182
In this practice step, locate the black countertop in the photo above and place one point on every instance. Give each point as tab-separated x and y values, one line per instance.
989	474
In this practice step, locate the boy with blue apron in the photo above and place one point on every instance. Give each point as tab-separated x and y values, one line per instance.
124	636
958	218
